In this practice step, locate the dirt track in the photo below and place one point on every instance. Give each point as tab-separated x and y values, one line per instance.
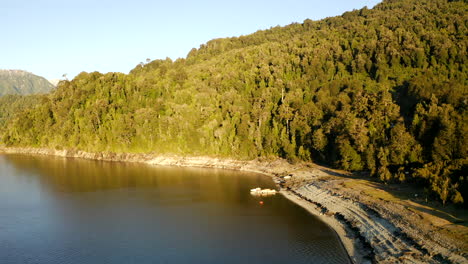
389	231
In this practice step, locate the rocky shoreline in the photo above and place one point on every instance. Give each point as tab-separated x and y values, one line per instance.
371	230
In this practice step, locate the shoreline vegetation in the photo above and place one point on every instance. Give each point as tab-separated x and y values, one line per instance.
379	93
373	222
379	90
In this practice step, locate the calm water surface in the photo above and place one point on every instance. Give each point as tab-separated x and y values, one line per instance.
57	210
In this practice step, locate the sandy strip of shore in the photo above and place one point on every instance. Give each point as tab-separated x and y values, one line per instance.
350	245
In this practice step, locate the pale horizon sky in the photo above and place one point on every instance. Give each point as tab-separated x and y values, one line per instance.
54	37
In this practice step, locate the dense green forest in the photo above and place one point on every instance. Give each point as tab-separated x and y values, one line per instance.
382	90
10	105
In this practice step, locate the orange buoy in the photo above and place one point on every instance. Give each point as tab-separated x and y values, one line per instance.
261	202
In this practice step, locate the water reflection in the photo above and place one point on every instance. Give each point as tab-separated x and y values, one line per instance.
97	212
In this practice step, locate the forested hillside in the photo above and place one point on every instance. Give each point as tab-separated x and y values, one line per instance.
381	90
22	83
10	105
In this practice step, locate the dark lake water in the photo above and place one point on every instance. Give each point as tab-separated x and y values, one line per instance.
58	210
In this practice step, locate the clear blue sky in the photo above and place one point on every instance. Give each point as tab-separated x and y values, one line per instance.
53	37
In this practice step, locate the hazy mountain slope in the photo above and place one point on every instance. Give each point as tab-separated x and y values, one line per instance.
22	83
381	90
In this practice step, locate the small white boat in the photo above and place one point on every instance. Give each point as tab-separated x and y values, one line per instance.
259	191
255	190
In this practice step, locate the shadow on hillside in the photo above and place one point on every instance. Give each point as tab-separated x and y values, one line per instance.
334	173
416	198
413	197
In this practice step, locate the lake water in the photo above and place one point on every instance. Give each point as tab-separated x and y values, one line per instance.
58	210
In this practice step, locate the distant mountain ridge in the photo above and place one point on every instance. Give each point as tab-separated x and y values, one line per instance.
22	83
54	82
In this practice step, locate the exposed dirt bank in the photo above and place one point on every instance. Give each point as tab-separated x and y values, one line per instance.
374	223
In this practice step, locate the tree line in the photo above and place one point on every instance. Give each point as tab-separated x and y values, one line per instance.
381	90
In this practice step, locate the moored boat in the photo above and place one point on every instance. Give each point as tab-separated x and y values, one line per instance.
260	191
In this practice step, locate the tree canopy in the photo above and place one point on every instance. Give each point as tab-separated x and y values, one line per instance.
380	90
